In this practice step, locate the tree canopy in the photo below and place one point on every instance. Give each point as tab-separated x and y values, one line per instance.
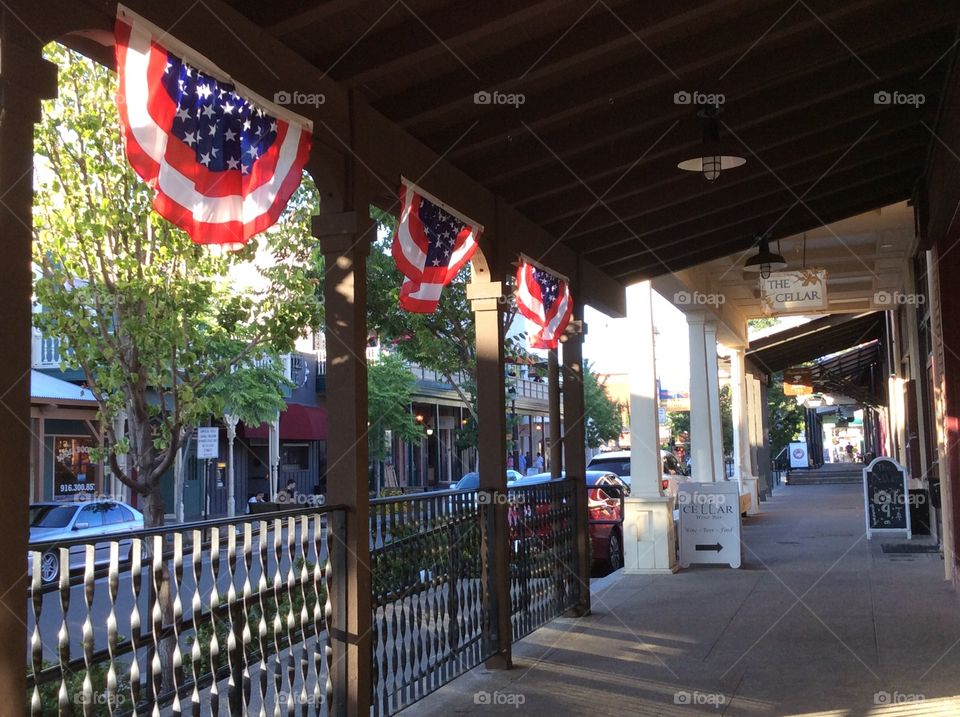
164	331
604	420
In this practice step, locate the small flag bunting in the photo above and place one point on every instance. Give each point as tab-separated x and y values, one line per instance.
431	245
544	298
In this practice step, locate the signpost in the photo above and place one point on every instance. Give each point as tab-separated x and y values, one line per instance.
709	523
208	446
885	498
794	291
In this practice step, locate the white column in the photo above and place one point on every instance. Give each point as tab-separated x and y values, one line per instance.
701	440
645	463
649	546
741	430
713	388
231	422
746	418
274	457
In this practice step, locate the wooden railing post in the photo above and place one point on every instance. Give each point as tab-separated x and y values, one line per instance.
345	242
488	303
575	453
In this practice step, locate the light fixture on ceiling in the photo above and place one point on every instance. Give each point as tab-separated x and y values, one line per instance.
715	155
765	261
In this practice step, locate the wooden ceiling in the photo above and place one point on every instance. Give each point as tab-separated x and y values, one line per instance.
591	153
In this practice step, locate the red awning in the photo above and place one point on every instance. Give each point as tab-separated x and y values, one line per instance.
297	423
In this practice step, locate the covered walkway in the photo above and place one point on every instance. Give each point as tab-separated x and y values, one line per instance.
818	621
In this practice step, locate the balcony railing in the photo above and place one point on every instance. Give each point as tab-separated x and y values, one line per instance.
46	351
243	630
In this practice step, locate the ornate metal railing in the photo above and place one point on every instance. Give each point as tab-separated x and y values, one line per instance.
427	609
426	562
201	618
543	575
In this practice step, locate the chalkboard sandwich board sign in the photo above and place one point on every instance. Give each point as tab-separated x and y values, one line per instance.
885	497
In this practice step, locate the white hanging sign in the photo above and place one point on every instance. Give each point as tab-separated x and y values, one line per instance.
794	291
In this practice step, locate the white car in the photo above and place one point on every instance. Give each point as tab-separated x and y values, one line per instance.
71	521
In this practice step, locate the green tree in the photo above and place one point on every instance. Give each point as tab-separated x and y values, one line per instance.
389	389
444	341
762	323
786	417
679	422
604	420
726	419
162	331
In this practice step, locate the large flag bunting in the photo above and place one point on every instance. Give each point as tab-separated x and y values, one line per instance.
545	299
223	163
431	245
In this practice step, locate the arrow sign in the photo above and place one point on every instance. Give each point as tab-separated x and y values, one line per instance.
716	547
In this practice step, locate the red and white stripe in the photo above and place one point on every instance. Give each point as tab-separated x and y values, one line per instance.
530	304
224	208
422	285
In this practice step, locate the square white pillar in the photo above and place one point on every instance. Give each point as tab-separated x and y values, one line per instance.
645	463
700	431
649	545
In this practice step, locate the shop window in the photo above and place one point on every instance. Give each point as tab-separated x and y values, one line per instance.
295	456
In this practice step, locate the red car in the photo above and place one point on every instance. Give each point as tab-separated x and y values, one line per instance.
605	493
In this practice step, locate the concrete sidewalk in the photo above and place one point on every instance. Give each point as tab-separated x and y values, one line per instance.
818	621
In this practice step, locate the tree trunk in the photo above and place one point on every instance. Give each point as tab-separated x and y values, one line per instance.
153	517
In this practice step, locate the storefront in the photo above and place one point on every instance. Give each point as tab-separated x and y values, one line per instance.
64	432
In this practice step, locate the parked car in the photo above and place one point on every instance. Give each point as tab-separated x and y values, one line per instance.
85	519
605	515
471	480
619	463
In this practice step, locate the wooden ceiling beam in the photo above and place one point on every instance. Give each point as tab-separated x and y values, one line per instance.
676	186
661	211
631	88
768	218
737	240
529	170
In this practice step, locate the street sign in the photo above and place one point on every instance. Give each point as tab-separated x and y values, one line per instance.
661	415
886	497
709	523
794	291
208	442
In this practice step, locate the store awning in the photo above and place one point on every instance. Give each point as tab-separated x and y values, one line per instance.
813	340
297	423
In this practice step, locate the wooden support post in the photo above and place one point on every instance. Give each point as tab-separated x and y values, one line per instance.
575	454
25	78
345	241
486	299
553	400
